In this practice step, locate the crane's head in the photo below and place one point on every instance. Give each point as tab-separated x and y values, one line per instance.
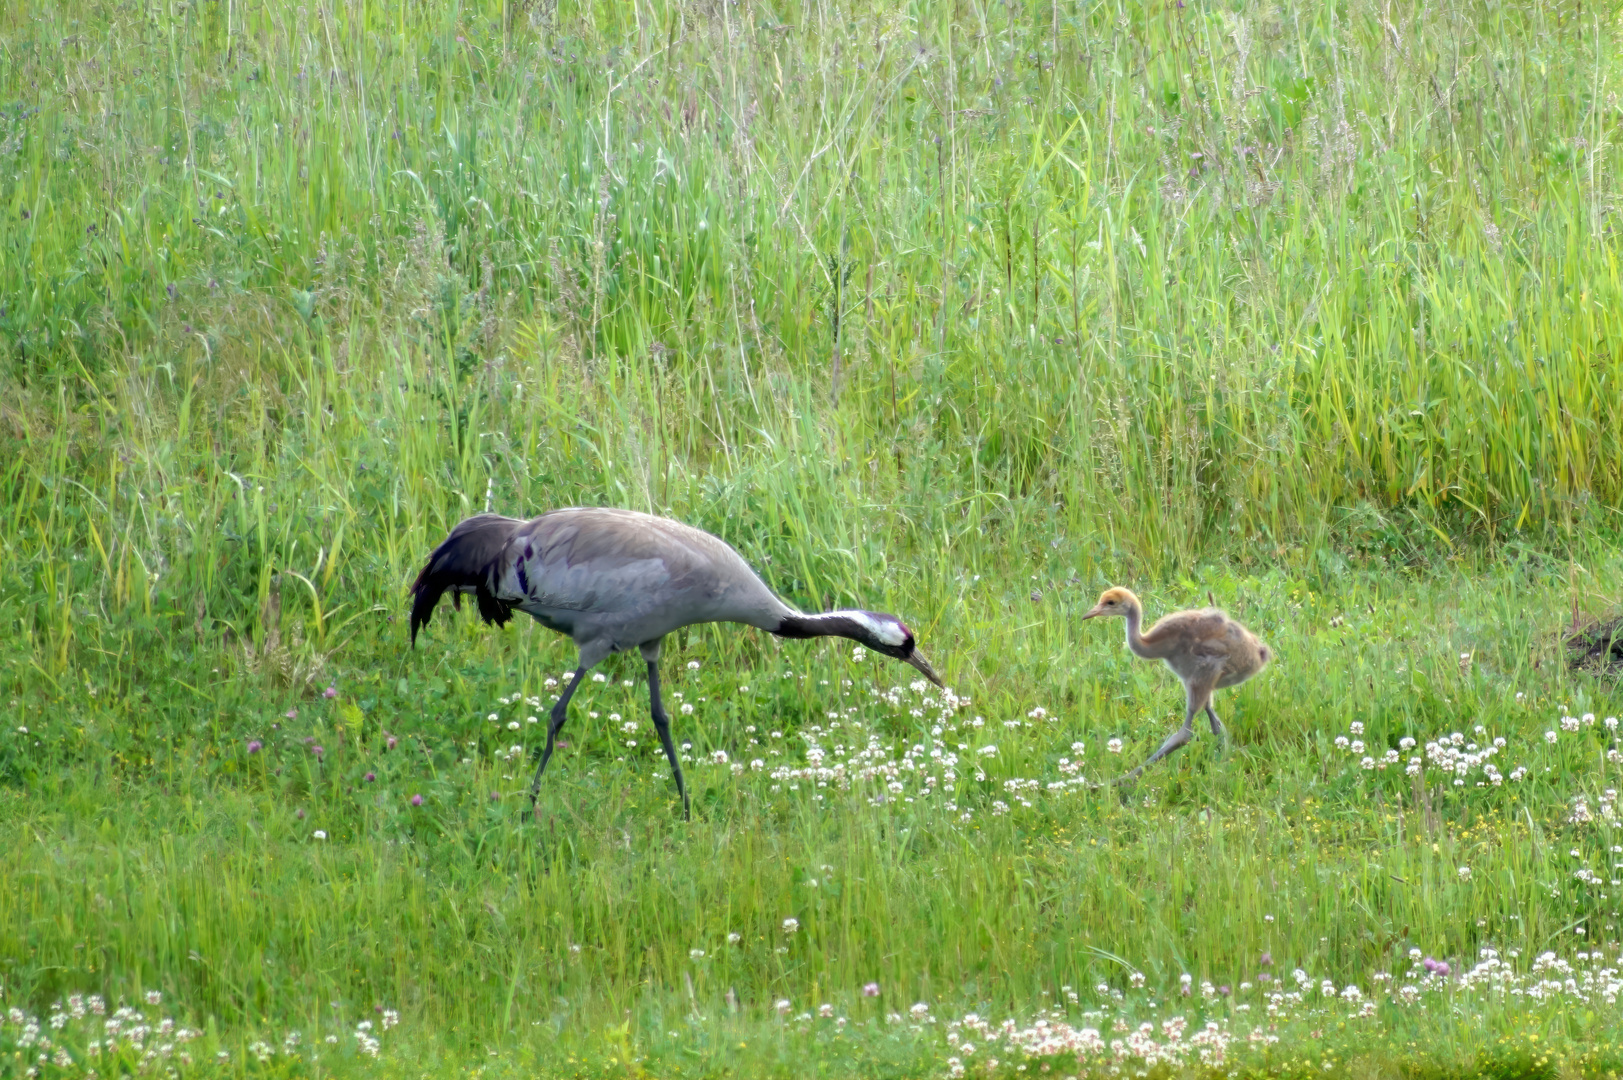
884	634
1117	601
888	635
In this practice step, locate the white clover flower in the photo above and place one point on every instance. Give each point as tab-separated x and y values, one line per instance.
1550	737
791	925
1465	873
687	708
734	938
1114	746
319	834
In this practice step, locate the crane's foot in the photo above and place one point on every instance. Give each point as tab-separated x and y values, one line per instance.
1122	785
1176	741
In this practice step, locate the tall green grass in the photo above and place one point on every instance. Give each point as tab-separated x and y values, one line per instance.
961	311
1176	272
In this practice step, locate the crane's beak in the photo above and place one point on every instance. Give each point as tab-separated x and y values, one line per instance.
1092	614
917	659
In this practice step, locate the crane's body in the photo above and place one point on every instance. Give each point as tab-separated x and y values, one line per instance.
1206	648
615	580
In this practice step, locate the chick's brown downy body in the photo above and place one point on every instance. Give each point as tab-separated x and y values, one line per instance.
1206	648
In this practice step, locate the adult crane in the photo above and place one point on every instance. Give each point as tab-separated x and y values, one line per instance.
617	580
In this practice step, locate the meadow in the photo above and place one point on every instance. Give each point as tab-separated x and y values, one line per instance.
963	311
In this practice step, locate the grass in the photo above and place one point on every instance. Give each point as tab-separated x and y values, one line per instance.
959	311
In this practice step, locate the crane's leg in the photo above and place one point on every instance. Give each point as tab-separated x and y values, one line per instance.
1218	730
555	723
1200	697
662	724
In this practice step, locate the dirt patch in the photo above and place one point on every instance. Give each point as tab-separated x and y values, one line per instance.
1597	647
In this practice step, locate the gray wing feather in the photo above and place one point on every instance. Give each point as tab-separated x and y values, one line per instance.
633	568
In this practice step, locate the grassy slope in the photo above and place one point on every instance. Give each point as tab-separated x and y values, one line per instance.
1310	306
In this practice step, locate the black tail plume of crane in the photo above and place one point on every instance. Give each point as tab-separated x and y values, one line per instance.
464	561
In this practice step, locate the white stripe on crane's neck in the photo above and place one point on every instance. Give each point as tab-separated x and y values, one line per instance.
887	632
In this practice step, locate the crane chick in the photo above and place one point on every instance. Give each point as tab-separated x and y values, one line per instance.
617	580
1204	647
